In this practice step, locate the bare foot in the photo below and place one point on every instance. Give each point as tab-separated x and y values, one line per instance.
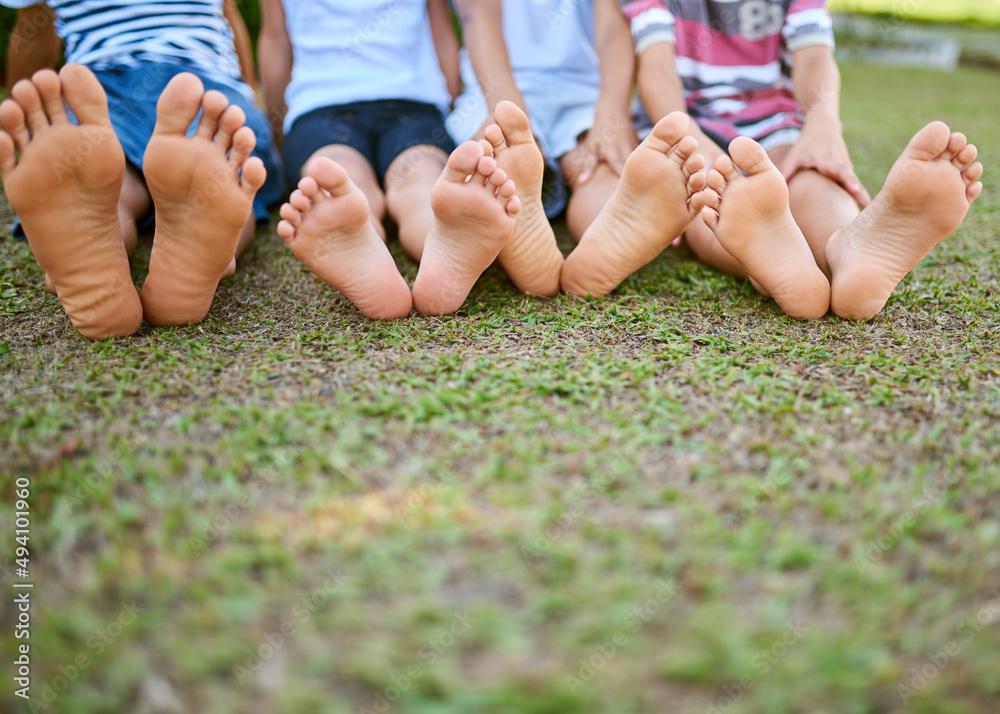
925	198
65	188
750	217
474	214
531	257
326	225
202	188
647	211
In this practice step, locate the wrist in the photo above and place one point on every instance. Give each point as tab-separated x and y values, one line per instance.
825	120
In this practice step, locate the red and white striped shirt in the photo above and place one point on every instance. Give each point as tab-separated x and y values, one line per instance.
734	57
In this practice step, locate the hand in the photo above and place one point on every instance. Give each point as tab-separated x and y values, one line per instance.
822	148
610	142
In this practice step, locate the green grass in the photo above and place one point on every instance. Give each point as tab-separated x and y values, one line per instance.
648	503
984	12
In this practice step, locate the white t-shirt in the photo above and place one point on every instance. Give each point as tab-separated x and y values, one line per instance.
355	51
550	44
128	32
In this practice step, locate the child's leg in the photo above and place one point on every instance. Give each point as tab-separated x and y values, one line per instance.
65	186
202	188
750	216
474	215
586	200
409	181
925	198
326	223
648	209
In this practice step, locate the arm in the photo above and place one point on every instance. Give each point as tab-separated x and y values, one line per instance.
274	47
34	44
612	137
446	44
241	40
661	89
482	25
816	85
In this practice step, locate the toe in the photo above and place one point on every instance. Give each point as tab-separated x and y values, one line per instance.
50	90
965	157
706	198
956	142
494	137
252	175
84	94
301	198
178	105
928	143
513	206
463	162
286	229
8	162
694	165
697	181
973	173
513	123
485	168
213	104
244	141
671	129
232	120
328	175
291	214
507	189
26	95
749	156
685	150
711	217
973	192
723	172
13	122
496	178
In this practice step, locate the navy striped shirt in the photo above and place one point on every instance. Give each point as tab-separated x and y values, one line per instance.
101	34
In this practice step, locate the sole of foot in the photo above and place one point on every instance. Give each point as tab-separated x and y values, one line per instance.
925	198
749	214
202	188
64	182
647	211
326	225
475	209
531	258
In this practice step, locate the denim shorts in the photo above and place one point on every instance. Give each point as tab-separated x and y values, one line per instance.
379	130
132	95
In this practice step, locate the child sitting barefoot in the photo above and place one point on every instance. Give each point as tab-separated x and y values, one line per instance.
364	137
782	208
82	161
568	66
